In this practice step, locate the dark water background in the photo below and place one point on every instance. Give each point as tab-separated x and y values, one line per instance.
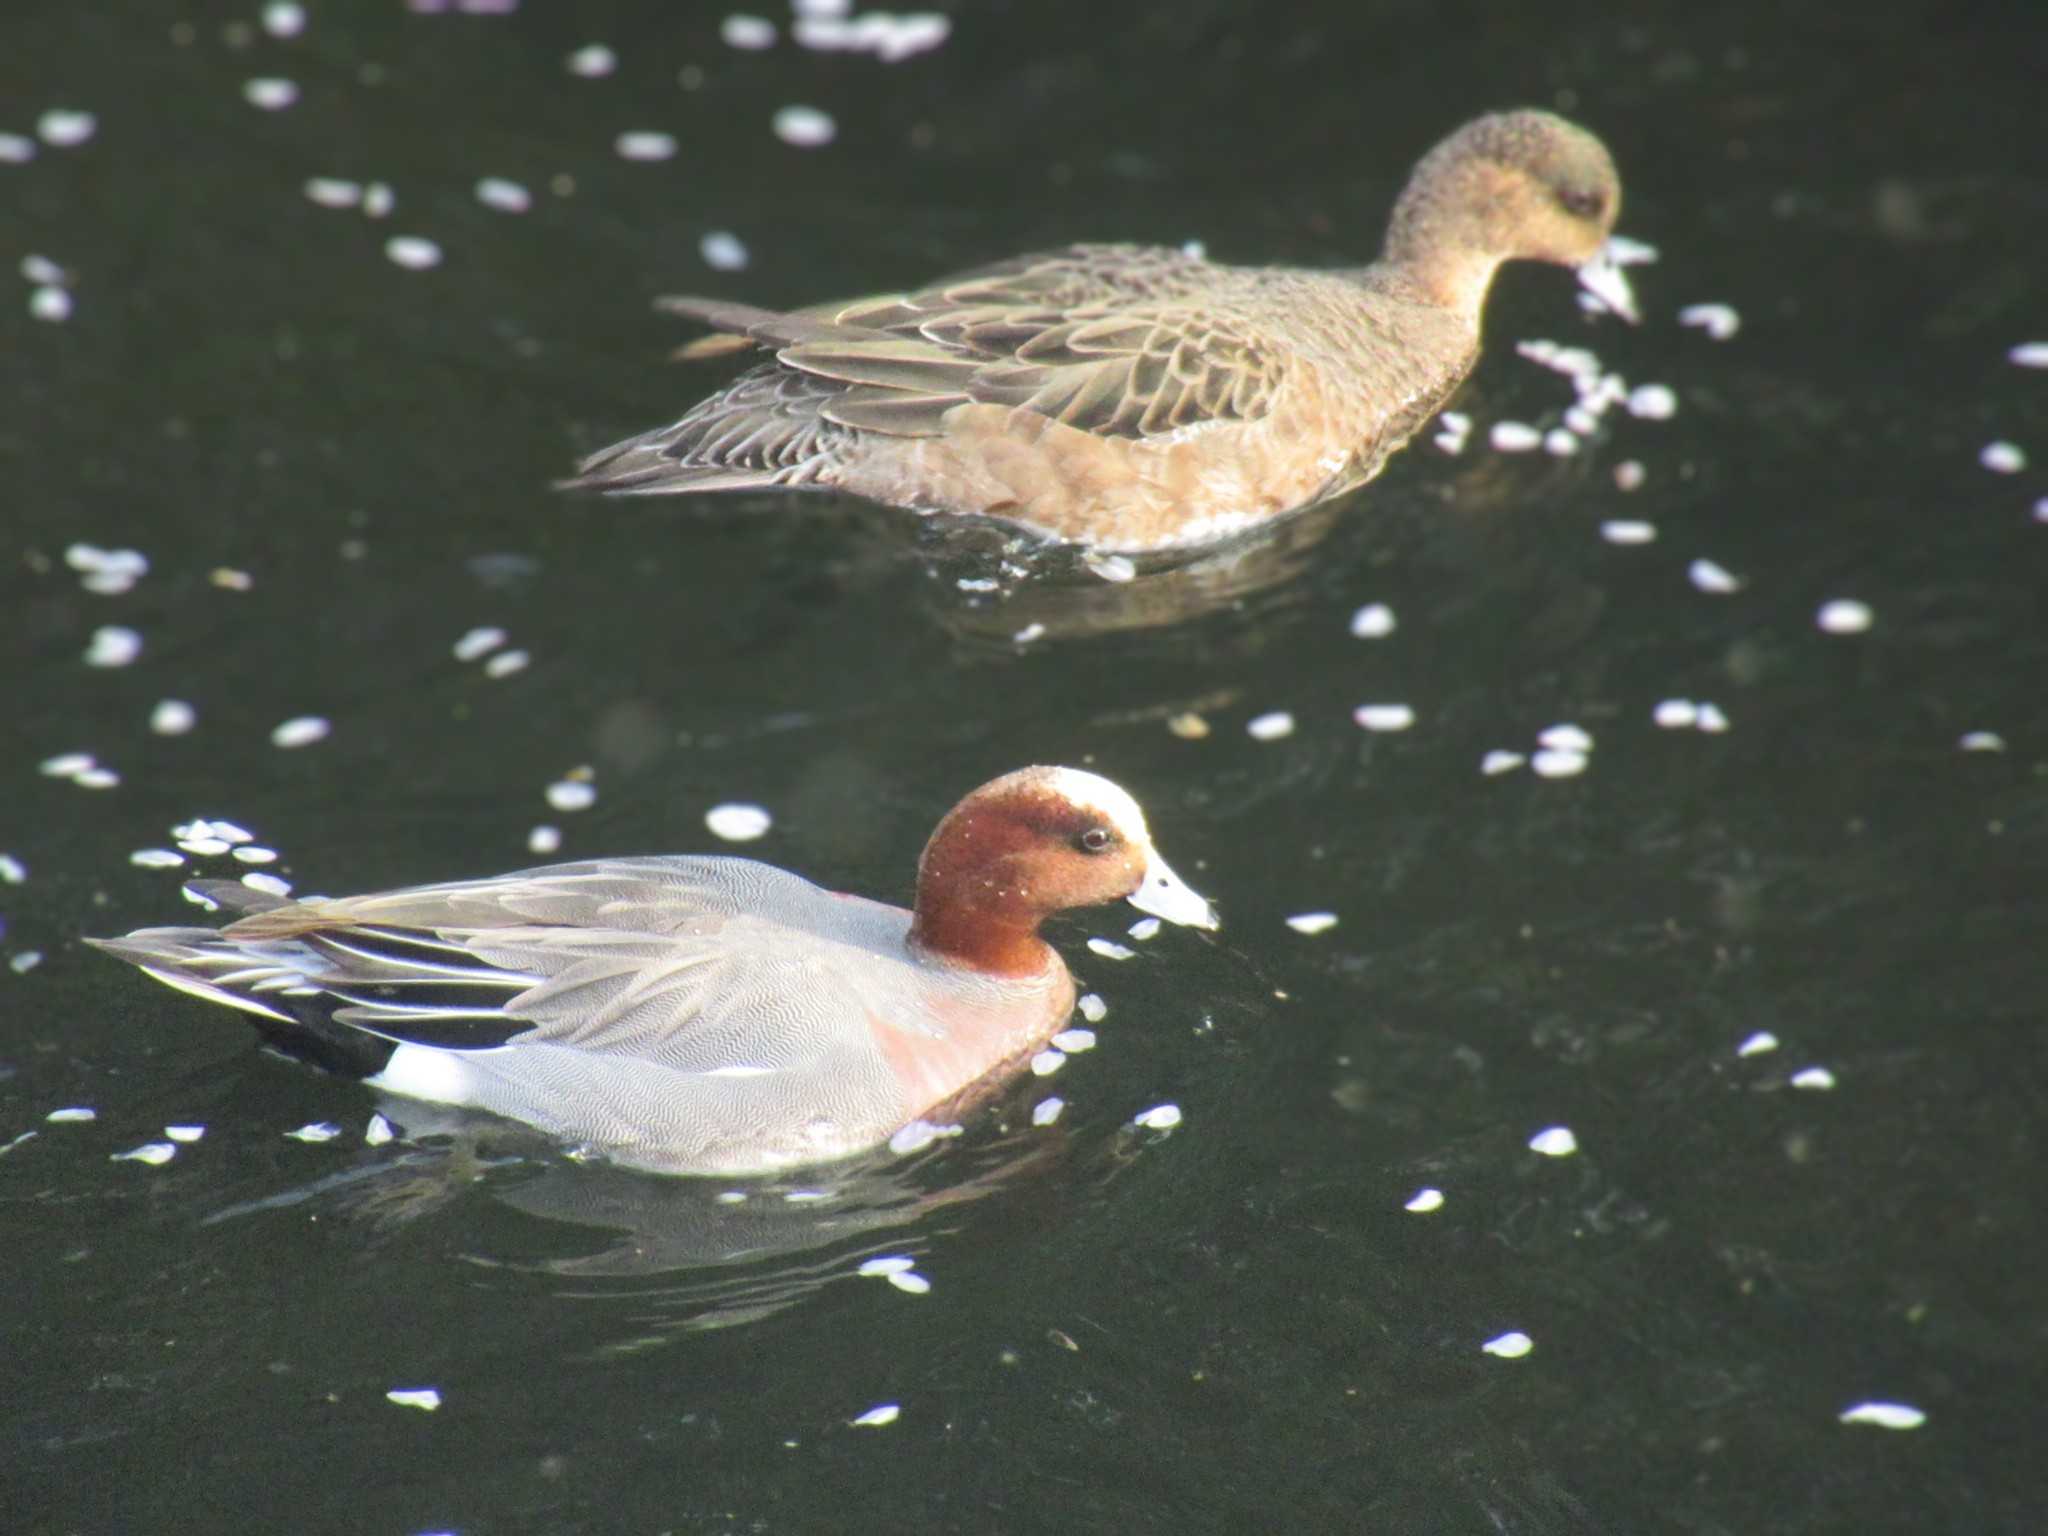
1236	1326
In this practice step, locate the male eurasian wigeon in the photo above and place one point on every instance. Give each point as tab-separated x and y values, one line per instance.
1137	397
689	1013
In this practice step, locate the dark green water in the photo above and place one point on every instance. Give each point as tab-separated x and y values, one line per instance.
1234	1327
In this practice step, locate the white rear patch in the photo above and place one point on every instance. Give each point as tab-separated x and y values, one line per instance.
427	1072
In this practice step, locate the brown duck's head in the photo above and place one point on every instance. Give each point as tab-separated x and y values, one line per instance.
1509	186
1027	845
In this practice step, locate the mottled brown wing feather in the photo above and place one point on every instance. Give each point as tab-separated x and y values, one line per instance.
1104	339
1076	277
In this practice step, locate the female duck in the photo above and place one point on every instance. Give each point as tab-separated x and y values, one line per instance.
1132	397
695	1014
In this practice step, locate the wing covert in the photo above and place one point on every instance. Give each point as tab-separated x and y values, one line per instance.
1109	340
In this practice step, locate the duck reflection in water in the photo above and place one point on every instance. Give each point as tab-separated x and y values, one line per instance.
989	586
678	1255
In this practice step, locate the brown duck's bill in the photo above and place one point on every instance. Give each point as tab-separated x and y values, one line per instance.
1165	894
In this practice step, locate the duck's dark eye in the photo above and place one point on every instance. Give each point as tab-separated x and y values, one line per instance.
1094	840
1581	204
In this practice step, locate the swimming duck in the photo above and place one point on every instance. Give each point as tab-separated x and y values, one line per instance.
1133	397
694	1014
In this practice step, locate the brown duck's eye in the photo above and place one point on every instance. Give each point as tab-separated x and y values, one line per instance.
1094	840
1583	205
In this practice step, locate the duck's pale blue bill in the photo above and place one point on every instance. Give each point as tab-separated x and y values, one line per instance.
1603	278
1165	894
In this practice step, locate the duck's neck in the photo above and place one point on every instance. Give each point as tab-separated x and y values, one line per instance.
975	906
1439	241
980	941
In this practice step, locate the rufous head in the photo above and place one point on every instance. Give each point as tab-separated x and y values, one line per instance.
1027	845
